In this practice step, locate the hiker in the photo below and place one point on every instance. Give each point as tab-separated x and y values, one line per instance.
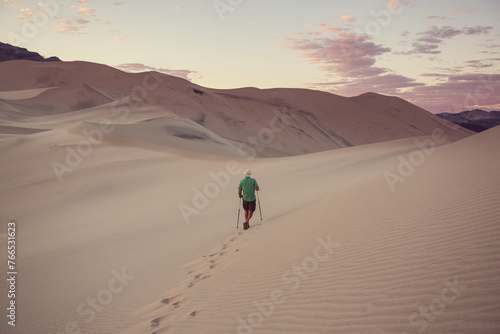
246	190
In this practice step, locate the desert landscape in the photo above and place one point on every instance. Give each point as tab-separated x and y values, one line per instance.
377	216
370	127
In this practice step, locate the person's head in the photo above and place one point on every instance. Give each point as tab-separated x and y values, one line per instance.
247	173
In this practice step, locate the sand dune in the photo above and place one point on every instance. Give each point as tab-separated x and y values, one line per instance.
264	123
359	260
22	94
119	210
126	209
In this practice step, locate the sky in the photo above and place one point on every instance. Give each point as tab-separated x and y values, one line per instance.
443	55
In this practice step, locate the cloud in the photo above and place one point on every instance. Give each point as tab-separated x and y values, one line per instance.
436	75
74	24
344	53
422	48
476	78
433	17
441	33
458	93
68	26
482	63
389	84
27	14
10	3
115	34
352	58
393	4
477	30
429	41
86	11
331	29
463	10
139	67
81	21
349	61
347	18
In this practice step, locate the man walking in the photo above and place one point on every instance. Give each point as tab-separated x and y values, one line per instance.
247	189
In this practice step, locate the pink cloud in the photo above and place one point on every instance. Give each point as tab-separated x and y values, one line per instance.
389	84
430	40
115	34
394	5
459	93
352	60
27	14
436	75
10	3
331	29
463	10
433	17
482	63
347	18
67	26
351	57
86	11
477	30
345	53
443	32
81	17
81	20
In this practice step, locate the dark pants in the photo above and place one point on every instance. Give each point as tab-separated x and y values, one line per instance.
249	206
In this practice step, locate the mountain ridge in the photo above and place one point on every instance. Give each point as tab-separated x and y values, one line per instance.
476	120
11	52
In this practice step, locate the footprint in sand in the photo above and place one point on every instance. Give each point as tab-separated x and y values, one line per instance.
198	277
175	301
157	321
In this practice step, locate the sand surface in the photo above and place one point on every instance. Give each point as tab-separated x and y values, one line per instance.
127	224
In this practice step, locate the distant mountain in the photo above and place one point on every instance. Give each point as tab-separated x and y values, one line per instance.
475	120
10	52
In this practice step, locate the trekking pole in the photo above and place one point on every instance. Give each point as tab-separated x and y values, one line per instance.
238	221
260	211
